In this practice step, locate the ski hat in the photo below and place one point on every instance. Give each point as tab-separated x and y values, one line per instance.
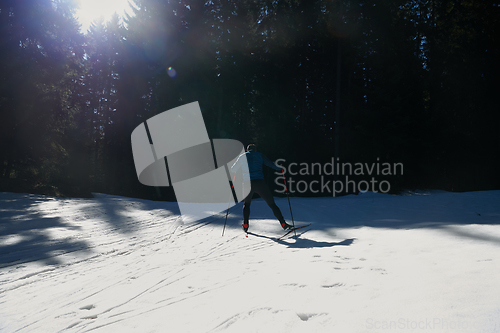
252	147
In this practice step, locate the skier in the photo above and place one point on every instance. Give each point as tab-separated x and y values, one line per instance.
255	173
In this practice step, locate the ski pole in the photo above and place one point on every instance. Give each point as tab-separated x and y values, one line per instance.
288	196
228	205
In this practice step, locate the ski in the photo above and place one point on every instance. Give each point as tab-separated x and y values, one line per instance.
292	230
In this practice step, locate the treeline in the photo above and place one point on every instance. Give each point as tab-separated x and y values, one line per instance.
411	82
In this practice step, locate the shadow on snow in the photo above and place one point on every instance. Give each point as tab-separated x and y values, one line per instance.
26	232
28	222
26	236
441	210
304	243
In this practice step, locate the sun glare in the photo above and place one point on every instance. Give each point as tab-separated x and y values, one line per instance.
91	10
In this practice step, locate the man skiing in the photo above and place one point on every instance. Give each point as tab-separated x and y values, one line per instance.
255	174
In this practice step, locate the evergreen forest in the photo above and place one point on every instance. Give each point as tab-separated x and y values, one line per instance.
414	82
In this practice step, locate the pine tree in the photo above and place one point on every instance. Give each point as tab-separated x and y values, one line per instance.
41	51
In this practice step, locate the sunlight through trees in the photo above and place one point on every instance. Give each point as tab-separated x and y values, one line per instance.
411	82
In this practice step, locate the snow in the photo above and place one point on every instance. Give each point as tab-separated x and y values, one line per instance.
423	261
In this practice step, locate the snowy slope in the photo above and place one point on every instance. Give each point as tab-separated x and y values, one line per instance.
369	263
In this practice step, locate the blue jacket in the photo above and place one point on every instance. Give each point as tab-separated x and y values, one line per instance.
255	162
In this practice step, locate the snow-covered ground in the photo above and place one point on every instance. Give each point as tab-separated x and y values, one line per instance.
427	261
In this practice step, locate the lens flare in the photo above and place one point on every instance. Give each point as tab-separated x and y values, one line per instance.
171	72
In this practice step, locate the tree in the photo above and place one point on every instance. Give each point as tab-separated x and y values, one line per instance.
40	63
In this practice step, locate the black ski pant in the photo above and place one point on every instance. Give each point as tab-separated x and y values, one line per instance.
260	187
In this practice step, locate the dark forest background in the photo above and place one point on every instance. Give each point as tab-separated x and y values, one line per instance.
413	82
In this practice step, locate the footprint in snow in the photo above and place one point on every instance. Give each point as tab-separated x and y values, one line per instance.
332	285
307	316
88	307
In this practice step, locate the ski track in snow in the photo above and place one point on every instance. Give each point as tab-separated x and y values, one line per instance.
368	263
